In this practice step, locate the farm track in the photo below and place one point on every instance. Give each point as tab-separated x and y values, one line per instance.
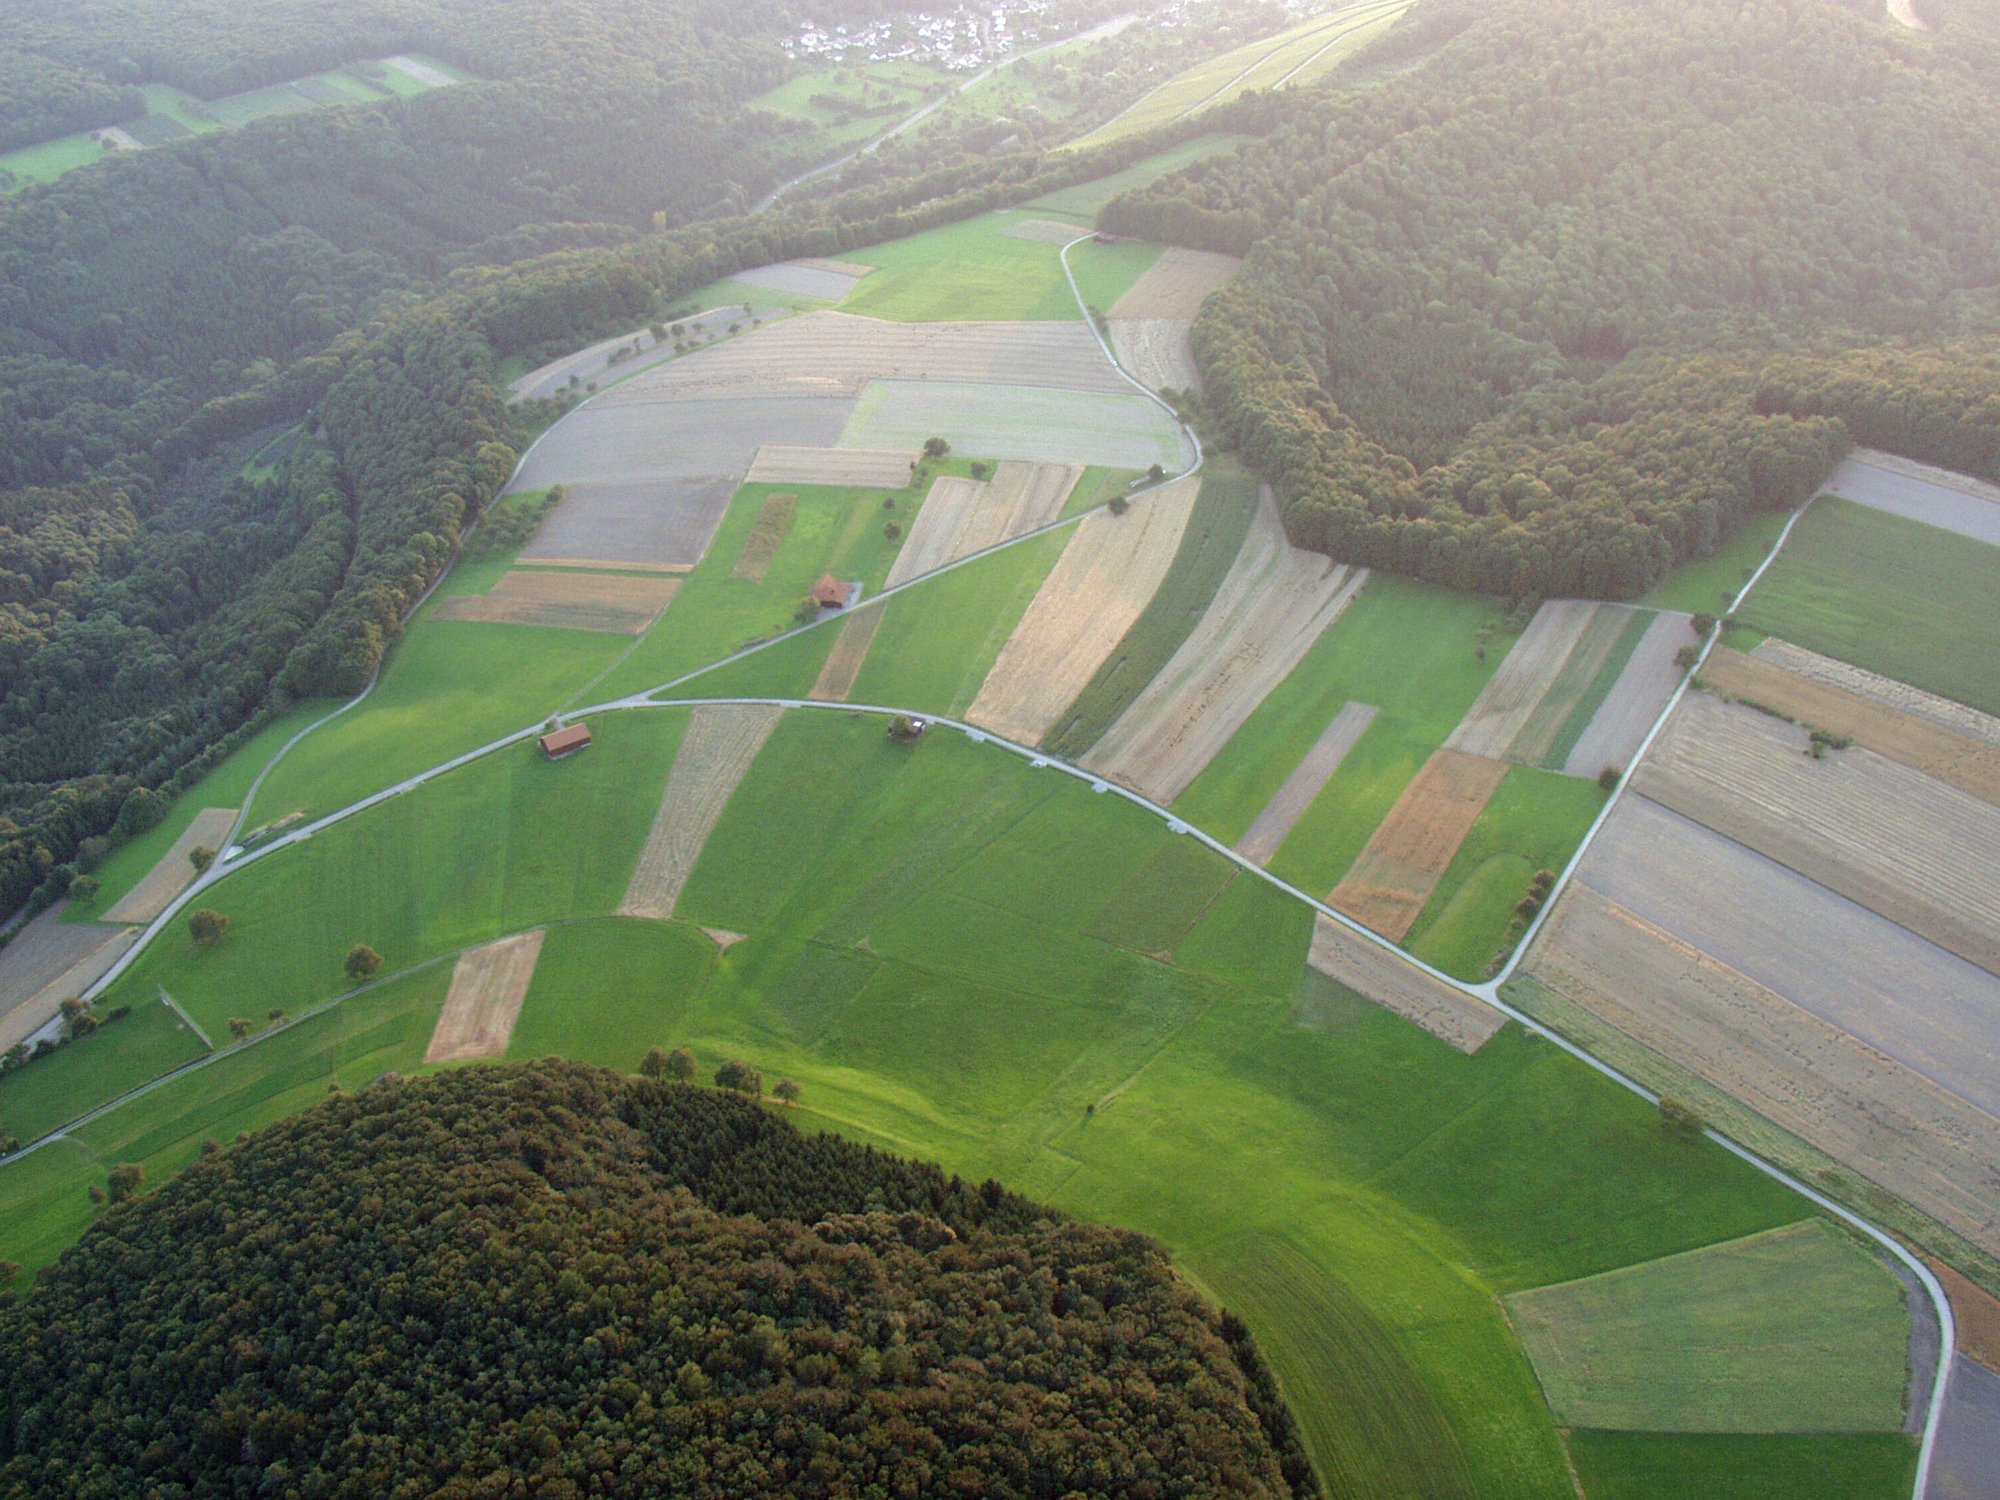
715	753
1902	844
488	984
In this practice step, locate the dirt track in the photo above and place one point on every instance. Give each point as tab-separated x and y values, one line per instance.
1919	852
1514	692
963	516
1393	877
1176	284
1622	722
171	873
1273	604
843	663
1396	984
623	605
778	463
1971	765
716	751
1155	352
1289	803
835	354
1098	587
488	985
1885	1121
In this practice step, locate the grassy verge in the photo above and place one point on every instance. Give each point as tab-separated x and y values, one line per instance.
1910	601
1214	535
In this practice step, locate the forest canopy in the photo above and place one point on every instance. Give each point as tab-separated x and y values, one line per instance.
552	1280
1560	305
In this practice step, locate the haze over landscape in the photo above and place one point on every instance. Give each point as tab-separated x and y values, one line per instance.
1062	748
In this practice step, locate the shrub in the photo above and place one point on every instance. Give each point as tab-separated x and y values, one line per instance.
1681	1121
207	926
361	963
1608	779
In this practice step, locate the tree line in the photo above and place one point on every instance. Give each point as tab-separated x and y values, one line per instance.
1555	307
553	1280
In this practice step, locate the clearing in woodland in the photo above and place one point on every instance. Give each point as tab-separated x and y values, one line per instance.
1106	574
488	984
1387	887
718	747
1271	607
613	604
174	870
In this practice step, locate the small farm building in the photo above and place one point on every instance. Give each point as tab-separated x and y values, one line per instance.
567	741
831	593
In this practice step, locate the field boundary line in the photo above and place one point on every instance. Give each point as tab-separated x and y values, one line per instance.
193	1025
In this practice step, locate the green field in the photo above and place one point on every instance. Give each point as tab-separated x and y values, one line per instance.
1730	1466
49	160
606	990
1214	535
1711	584
1798	1329
890	90
1910	601
1409	649
1534	822
972	271
51	1091
1082	201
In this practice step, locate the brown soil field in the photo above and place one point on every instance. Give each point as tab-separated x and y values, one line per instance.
488	985
1971	765
1885	1121
719	745
780	463
843	663
1957	717
1176	285
1289	803
50	961
1154	351
1393	877
1098	587
962	516
626	604
1044	231
767	534
172	874
835	354
1637	699
1275	601
1396	984
1513	693
1920	852
1976	1311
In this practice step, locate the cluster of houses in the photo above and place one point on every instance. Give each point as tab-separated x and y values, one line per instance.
959	39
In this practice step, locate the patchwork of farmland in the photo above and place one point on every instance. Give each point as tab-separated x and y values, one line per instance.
1023	422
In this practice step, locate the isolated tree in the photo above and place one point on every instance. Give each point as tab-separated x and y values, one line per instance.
361	963
278	1015
1118	505
785	1091
1686	657
1608	779
903	729
125	1181
84	888
1156	473
201	857
680	1065
740	1077
240	1027
936	447
654	1063
892	529
1680	1120
807	612
75	1013
1701	623
207	926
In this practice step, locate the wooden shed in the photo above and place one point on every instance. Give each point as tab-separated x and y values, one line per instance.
831	593
566	741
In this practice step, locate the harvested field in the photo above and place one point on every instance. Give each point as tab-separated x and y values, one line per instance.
1097	588
1386	888
843	663
1176	284
48	962
647	484
1635	701
962	516
778	463
1394	983
717	749
767	534
1901	843
835	354
1834	1091
1018	421
1263	837
1154	351
1044	231
1271	606
1923	744
1514	693
852	268
488	985
1976	1312
573	372
172	874
1918	492
800	279
1929	1010
623	605
1957	717
1591	658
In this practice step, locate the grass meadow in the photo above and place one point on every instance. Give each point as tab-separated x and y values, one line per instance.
1711	584
1082	201
1895	596
935	952
974	271
1734	1466
888	90
48	160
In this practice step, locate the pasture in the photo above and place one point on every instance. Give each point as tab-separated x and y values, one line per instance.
1738	1466
1083	200
1711	583
1898	597
976	270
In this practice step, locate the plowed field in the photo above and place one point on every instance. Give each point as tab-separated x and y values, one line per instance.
1176	284
1263	837
622	605
779	463
1396	984
1388	885
1154	351
962	516
1514	693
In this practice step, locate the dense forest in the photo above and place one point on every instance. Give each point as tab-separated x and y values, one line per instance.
555	1281
1558	305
